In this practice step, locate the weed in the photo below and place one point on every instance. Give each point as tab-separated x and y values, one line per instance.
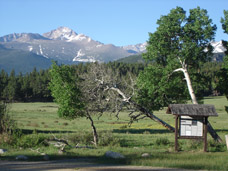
65	124
195	144
162	141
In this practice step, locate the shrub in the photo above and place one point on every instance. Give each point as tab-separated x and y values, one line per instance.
108	139
32	140
162	141
216	146
195	144
7	125
105	138
81	138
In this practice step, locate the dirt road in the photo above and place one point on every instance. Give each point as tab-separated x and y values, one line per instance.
70	165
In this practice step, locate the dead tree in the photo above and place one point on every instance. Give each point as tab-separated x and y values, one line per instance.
108	91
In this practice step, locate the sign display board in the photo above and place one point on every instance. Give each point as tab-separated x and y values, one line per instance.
191	126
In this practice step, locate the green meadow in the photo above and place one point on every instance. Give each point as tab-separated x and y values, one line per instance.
39	121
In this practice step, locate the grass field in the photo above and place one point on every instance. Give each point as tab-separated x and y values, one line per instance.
145	136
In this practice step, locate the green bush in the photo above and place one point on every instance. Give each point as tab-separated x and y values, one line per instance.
84	138
32	140
216	146
108	139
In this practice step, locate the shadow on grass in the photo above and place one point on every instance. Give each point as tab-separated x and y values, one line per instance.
56	162
29	131
141	131
221	130
73	161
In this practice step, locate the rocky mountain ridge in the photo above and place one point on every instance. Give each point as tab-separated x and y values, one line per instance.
66	46
63	44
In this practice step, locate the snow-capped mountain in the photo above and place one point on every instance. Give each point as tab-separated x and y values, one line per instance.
61	33
67	34
138	48
63	44
218	47
21	37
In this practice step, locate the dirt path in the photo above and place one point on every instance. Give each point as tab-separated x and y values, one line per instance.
69	165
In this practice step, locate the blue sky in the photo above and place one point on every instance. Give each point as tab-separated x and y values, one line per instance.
120	22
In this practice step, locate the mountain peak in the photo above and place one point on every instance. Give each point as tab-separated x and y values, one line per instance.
21	37
61	33
65	29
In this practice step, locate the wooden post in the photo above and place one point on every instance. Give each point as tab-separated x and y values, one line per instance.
176	132
205	134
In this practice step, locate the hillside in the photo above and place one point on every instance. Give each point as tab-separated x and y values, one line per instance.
21	61
132	59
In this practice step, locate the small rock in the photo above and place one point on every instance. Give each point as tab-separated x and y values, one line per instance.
2	151
21	157
114	155
145	155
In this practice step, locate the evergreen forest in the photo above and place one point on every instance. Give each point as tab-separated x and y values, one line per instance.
32	87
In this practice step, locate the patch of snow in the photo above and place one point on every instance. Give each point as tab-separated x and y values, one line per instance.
89	40
100	45
78	37
80	53
41	52
218	47
137	48
66	29
30	48
62	33
80	57
84	60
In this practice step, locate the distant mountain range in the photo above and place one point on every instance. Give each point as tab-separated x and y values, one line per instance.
23	51
63	44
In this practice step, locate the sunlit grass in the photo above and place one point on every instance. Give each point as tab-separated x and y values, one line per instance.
141	137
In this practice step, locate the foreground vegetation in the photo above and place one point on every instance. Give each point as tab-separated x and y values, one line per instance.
39	121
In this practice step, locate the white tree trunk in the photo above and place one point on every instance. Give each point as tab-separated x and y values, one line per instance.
189	84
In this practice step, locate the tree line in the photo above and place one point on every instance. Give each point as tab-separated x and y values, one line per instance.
33	86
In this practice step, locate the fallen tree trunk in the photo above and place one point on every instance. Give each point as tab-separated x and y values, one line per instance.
212	132
153	117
